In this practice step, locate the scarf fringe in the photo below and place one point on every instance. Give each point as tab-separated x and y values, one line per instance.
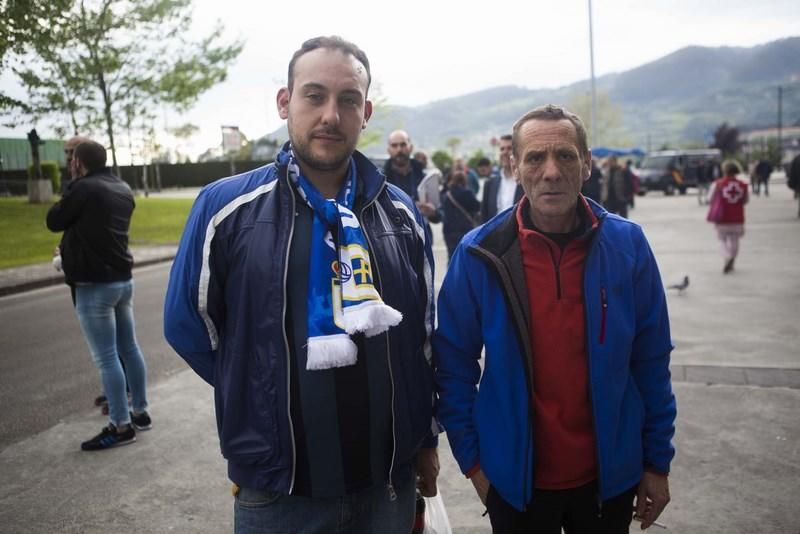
372	317
327	352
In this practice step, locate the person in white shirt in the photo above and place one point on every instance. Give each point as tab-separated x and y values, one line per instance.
503	191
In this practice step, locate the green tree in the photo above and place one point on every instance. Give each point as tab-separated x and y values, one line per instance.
609	130
726	138
453	143
129	56
766	149
442	160
476	156
23	22
380	110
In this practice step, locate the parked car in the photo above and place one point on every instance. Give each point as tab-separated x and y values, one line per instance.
674	170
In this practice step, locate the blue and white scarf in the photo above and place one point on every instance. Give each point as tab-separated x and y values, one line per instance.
342	299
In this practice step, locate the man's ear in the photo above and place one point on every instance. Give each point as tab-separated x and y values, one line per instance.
588	165
283	102
514	169
367	113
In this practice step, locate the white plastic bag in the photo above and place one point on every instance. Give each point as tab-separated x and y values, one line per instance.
436	520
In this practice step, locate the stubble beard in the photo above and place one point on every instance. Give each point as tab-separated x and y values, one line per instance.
400	160
331	162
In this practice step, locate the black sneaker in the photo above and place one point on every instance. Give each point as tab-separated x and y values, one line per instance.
108	438
141	421
728	266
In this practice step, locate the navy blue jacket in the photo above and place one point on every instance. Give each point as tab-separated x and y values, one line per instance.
225	313
483	304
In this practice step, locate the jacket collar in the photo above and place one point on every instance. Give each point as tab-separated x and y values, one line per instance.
370	181
416	168
497	237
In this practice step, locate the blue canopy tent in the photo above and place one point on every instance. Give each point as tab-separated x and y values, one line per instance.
604	152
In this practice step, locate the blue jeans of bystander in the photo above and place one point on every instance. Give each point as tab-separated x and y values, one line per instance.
105	312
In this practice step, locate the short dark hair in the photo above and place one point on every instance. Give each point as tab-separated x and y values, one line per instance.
506	137
91	155
483	162
333	42
550	112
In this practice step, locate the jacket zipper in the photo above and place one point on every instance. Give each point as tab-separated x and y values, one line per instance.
527	364
586	323
557	266
603	309
374	258
286	339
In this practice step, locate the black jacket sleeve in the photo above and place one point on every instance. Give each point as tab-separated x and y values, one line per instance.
66	211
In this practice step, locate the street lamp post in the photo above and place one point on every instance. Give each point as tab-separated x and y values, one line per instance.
593	117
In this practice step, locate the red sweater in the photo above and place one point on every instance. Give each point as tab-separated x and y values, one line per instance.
563	428
734	196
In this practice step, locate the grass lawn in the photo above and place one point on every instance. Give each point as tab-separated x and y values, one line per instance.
24	238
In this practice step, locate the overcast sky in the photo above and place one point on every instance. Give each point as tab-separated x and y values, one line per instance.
422	51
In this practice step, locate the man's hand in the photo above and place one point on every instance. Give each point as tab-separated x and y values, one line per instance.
481	484
652	497
426	208
427	471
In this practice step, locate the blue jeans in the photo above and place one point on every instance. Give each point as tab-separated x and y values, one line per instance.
366	511
105	312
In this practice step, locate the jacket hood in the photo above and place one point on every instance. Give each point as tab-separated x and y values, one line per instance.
371	180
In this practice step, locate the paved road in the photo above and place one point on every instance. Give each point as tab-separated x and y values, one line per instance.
46	373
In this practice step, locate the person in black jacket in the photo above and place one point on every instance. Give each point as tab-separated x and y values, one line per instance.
461	210
793	180
592	187
503	191
407	173
761	176
94	214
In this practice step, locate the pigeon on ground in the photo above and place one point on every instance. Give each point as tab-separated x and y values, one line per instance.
682	286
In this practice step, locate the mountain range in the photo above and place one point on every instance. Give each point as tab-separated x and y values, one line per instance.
677	100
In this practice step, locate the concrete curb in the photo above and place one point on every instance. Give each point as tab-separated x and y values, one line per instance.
58	278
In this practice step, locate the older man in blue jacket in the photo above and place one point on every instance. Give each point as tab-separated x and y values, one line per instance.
302	292
575	413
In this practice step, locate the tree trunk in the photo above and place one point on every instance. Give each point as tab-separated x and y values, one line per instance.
109	119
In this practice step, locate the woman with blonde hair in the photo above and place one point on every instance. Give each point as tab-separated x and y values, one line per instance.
726	210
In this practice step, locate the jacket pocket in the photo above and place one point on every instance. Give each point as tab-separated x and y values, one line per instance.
247	498
247	405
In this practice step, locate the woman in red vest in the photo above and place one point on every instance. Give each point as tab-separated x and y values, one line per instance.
728	197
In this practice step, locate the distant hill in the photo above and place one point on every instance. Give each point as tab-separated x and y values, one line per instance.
677	100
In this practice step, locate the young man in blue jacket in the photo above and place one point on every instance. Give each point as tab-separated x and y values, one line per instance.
302	292
575	413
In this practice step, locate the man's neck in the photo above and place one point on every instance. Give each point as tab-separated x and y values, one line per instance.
401	169
555	225
506	172
328	183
